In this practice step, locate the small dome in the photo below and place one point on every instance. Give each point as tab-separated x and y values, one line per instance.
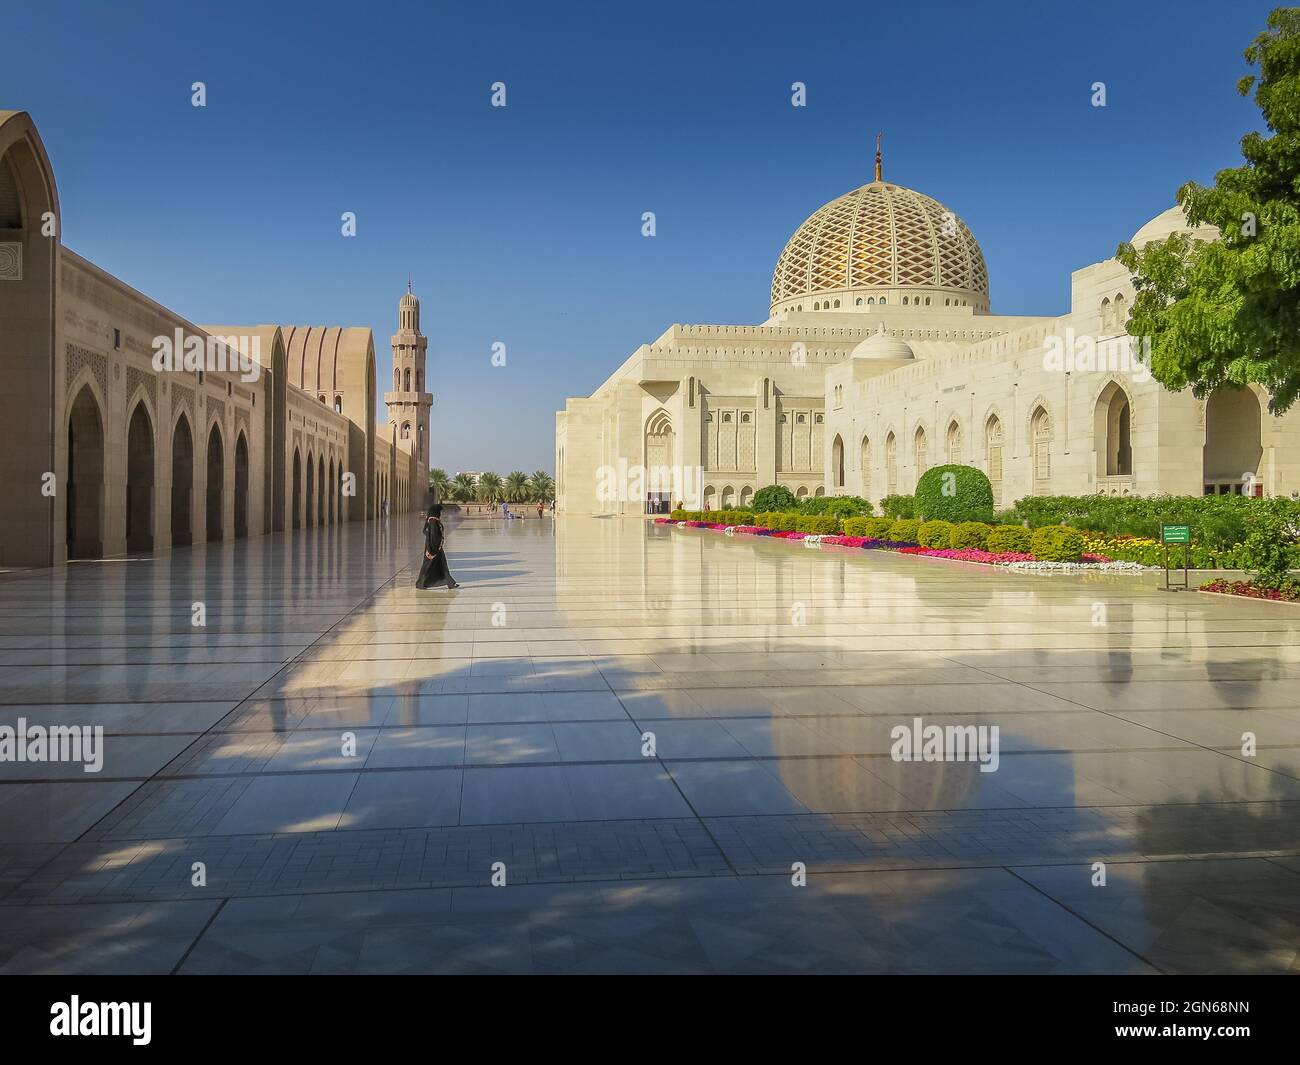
1169	222
882	345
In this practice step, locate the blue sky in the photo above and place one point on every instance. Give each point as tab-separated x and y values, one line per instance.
522	225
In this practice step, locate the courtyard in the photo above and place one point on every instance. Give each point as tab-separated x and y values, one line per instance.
623	747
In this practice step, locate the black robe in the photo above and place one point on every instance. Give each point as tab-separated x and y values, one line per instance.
434	571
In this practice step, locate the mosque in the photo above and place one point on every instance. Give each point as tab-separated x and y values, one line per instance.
110	451
882	356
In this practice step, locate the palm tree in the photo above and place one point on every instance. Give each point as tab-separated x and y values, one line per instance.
489	487
516	486
439	483
541	486
462	487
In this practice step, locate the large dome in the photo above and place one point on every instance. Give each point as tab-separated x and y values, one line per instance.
880	244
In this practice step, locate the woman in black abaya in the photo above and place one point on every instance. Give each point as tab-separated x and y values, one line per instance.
434	571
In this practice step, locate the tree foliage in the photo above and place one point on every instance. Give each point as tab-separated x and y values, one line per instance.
1228	311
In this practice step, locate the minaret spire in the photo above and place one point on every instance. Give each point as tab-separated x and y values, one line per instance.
879	162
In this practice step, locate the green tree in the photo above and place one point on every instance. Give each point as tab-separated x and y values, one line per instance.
515	487
462	487
774	497
489	488
1228	311
439	483
541	486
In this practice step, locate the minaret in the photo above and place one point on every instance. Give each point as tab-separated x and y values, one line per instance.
408	403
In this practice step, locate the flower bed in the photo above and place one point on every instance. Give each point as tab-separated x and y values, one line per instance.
1251	590
1090	561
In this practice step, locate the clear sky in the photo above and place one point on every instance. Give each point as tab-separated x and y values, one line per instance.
522	225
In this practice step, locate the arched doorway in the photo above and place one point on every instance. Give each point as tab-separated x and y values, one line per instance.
837	461
333	494
993	456
866	467
1040	438
139	480
891	465
1111	433
85	477
321	490
310	509
182	482
658	463
297	489
216	485
1233	448
241	486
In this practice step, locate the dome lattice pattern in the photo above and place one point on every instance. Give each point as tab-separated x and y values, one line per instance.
880	236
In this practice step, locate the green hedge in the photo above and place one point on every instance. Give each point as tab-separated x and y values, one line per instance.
817	523
1008	538
836	506
934	533
904	530
971	536
1217	522
1057	543
897	507
875	528
954	493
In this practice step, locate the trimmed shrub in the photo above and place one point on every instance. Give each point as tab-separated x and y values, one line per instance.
1002	538
934	533
855	526
836	506
817	523
954	493
897	507
775	497
878	528
904	531
971	535
1057	543
780	520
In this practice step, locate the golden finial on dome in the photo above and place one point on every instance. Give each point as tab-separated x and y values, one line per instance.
879	165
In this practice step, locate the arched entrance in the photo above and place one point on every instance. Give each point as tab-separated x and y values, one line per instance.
216	485
891	465
297	489
321	490
658	463
993	456
837	461
1111	422
85	477
241	486
1233	449
310	509
1040	438
139	480
182	482
333	494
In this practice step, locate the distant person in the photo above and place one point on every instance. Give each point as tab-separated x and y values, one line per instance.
540	508
434	570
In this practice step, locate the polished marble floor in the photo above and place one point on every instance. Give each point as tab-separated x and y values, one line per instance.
646	731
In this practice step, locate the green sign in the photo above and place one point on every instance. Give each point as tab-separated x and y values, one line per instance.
1175	534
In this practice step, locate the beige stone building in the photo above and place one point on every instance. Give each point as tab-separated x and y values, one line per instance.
107	452
882	356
